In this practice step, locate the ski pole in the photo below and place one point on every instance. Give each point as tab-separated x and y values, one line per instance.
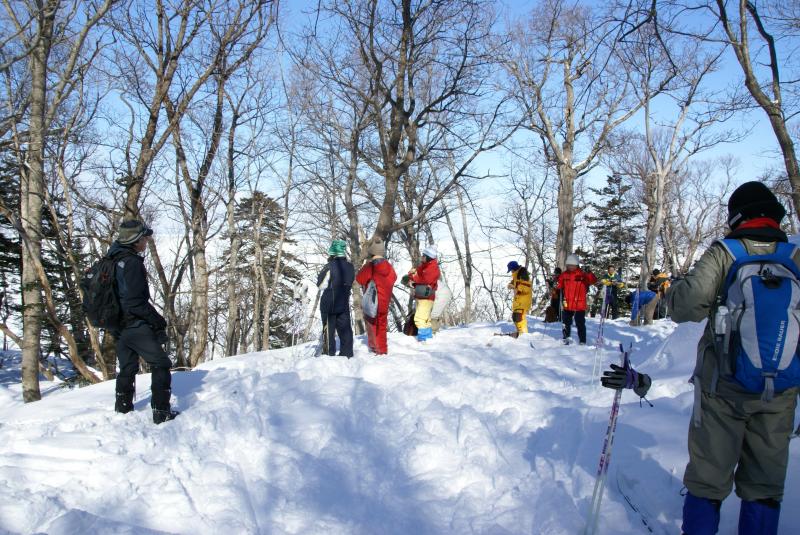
605	458
599	340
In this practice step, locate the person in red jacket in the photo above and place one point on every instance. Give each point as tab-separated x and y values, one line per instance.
425	279
377	269
574	283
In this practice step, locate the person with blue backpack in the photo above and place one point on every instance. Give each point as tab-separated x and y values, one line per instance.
747	372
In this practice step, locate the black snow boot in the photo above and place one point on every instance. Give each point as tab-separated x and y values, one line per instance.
124	403
159	416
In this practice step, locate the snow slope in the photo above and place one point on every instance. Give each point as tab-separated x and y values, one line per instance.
468	434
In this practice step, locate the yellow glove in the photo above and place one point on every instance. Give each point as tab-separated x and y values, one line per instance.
606	282
620	285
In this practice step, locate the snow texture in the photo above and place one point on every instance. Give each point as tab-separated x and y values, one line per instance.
452	436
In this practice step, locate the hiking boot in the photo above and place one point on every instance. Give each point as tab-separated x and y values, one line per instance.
565	341
159	416
124	403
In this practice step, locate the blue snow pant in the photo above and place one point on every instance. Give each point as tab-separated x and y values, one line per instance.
338	324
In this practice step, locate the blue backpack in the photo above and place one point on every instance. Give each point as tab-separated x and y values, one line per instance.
757	321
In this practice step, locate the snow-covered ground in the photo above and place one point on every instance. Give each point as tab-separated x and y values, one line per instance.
469	433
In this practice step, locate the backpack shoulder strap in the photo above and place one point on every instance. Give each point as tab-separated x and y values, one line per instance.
734	247
786	250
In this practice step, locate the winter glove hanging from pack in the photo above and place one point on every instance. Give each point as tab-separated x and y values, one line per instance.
618	378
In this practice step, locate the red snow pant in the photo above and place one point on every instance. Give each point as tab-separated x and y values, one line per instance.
376	333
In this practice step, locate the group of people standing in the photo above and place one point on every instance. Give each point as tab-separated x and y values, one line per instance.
376	278
737	436
568	296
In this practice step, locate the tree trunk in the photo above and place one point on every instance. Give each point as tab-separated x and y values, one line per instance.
276	269
231	337
566	213
199	327
31	196
655	221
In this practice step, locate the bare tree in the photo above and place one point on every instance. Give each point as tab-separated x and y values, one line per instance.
412	66
464	258
571	81
66	29
697	210
669	144
765	88
235	32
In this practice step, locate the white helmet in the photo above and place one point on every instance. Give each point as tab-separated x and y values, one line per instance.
573	260
430	251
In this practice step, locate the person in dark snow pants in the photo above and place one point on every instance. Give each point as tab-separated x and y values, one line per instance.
334	305
143	333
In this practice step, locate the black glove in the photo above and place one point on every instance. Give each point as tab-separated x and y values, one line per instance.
162	337
618	378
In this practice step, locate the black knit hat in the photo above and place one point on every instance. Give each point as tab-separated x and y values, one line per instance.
753	199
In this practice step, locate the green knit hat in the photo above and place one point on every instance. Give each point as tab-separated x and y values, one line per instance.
337	248
131	231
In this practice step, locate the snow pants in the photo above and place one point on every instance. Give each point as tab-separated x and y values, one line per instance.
744	442
376	333
139	340
612	303
580	323
520	318
647	312
422	316
338	324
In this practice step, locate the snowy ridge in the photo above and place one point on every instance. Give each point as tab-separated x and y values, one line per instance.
449	437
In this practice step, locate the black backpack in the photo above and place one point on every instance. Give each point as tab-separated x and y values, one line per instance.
100	300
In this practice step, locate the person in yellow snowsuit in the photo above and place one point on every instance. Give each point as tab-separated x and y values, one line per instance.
521	284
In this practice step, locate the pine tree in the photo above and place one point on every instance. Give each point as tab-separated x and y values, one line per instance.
262	210
54	261
617	227
10	254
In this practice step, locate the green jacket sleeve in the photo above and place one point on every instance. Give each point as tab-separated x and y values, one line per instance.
693	297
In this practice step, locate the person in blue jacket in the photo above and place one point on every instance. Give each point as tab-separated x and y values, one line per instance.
643	305
334	305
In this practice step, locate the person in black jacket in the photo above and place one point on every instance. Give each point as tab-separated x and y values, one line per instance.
143	333
334	305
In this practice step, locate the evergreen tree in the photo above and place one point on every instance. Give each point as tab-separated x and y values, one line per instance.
263	212
54	261
617	228
10	255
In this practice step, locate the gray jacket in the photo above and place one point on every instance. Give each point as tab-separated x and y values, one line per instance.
694	299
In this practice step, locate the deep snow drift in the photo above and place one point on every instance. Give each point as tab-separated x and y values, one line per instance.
469	433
